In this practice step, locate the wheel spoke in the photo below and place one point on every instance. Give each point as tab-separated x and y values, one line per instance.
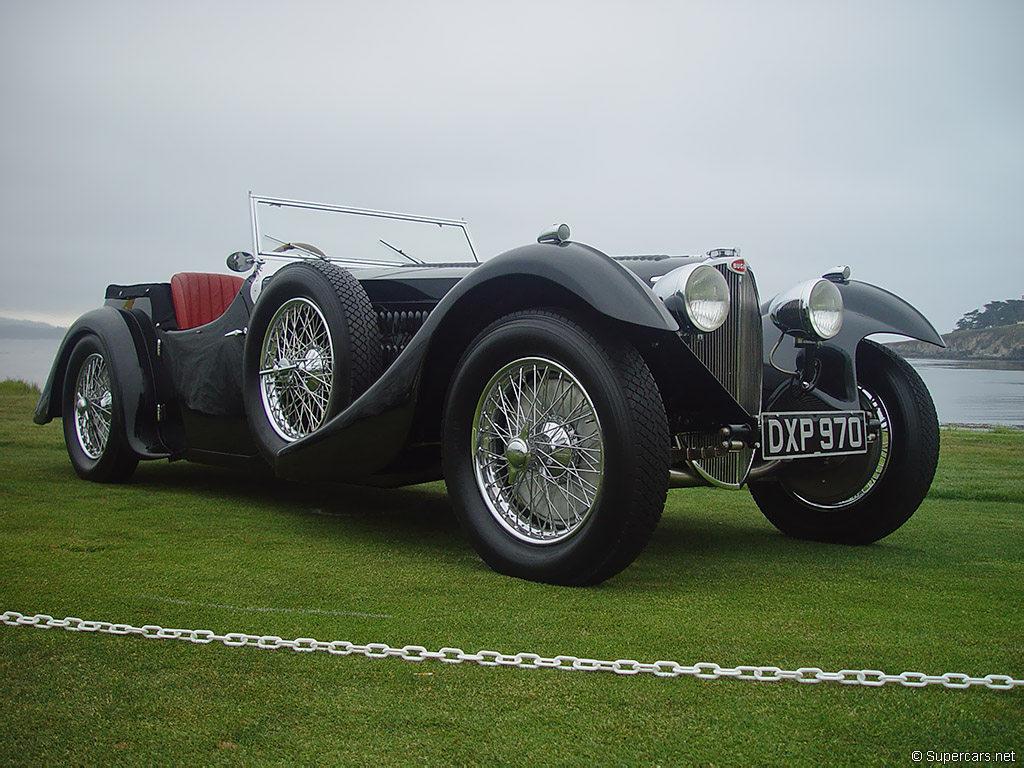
498	431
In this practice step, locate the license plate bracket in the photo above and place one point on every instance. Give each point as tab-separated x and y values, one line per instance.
809	434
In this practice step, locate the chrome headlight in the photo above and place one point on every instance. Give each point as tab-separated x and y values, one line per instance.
813	309
696	294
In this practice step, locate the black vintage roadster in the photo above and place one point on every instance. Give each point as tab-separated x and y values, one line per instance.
558	391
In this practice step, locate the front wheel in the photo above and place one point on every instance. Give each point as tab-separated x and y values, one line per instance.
93	424
555	449
861	499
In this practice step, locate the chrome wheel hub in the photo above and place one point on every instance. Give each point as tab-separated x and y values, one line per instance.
312	367
538	451
296	369
517	454
557	443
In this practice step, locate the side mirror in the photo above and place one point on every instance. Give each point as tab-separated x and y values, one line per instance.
240	261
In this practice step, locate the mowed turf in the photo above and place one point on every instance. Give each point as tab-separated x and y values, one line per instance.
186	546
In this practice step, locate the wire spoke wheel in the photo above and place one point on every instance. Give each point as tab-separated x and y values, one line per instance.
538	450
93	418
296	369
555	448
93	406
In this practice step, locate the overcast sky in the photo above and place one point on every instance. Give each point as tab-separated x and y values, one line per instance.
885	135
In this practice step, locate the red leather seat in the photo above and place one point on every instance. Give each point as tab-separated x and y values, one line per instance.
202	297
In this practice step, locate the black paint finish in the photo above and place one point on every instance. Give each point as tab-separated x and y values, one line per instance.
129	364
868	310
427	315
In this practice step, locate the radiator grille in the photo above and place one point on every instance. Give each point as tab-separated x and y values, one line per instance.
397	329
733	355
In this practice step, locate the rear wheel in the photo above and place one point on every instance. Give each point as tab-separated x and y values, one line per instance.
861	499
93	424
555	449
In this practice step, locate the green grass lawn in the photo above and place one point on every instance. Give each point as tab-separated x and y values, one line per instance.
203	548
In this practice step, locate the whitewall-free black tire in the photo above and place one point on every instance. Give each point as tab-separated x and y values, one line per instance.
93	422
556	448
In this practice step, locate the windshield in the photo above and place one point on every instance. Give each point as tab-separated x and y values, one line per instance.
357	235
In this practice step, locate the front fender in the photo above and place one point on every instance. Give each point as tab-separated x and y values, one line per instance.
111	327
592	276
867	310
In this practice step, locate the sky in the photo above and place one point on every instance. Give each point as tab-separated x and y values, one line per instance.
884	135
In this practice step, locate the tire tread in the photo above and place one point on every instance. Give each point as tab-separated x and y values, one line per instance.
364	335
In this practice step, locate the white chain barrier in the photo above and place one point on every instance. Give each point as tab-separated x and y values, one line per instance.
705	671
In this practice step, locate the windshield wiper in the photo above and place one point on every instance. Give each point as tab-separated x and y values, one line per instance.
401	252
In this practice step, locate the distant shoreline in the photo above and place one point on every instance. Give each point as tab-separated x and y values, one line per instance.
981	427
1005	344
29	329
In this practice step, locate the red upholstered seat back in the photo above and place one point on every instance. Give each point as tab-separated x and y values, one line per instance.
201	297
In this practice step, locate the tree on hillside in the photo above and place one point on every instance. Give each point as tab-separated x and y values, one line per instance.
994	314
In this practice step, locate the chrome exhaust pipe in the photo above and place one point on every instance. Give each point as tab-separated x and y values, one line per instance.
685	477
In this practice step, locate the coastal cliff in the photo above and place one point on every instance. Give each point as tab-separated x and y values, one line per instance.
1001	343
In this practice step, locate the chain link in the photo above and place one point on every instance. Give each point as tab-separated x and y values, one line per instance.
872	678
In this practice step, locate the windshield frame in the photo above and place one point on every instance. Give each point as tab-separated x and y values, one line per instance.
257	234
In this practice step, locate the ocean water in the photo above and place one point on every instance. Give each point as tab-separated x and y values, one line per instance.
964	392
974	392
27	359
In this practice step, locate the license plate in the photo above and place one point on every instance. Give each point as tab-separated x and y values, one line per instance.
797	435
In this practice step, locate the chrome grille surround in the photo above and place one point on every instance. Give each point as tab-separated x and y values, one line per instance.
733	355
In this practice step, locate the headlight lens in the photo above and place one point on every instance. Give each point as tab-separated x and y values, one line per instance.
813	309
825	309
707	298
696	294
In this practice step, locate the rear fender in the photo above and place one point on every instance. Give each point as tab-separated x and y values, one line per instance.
867	310
121	335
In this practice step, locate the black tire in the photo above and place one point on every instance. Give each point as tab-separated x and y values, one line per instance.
562	510
861	499
93	420
331	370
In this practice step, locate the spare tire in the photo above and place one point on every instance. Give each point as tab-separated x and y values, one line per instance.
312	347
